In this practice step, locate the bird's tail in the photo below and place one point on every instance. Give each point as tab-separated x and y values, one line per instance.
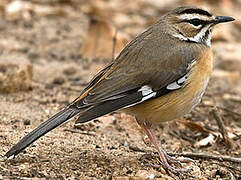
86	113
45	127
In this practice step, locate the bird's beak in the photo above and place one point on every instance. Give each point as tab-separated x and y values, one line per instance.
222	19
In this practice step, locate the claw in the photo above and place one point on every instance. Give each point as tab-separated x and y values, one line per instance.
177	160
177	171
172	159
169	168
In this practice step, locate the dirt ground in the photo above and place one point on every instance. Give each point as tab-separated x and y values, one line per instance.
113	146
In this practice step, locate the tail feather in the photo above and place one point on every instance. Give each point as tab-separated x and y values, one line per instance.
86	113
45	127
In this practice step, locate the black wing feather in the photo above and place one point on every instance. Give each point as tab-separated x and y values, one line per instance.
106	107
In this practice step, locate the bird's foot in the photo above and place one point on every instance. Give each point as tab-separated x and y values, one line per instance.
176	160
170	159
169	168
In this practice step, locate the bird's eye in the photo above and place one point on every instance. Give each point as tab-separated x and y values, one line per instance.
195	22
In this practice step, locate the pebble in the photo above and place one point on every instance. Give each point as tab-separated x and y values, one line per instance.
15	75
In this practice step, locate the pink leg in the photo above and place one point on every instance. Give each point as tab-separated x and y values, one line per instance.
162	154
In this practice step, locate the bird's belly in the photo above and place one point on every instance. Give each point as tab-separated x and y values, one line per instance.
178	104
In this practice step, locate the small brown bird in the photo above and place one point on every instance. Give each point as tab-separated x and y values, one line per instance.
159	76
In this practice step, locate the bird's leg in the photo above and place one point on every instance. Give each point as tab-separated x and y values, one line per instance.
164	157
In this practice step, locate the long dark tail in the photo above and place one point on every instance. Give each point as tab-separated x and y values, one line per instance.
86	113
45	127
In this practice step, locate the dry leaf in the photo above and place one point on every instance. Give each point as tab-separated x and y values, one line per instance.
209	140
99	40
233	132
193	125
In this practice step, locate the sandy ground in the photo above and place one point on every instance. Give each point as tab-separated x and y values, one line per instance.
110	147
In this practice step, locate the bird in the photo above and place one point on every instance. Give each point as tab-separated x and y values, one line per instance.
160	76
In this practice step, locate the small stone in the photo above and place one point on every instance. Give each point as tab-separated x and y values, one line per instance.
69	71
59	80
26	122
126	144
15	75
144	174
14	121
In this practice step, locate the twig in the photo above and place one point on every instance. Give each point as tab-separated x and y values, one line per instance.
80	132
197	156
178	135
223	108
137	149
228	167
226	109
222	129
207	156
114	44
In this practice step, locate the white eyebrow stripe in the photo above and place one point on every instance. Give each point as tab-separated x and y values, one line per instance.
193	16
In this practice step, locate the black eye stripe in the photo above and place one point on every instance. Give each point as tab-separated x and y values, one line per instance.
196	22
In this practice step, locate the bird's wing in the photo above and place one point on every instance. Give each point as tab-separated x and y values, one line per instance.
144	70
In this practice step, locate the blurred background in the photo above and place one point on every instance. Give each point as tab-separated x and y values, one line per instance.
50	49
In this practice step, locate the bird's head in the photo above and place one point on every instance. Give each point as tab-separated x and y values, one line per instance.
193	24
